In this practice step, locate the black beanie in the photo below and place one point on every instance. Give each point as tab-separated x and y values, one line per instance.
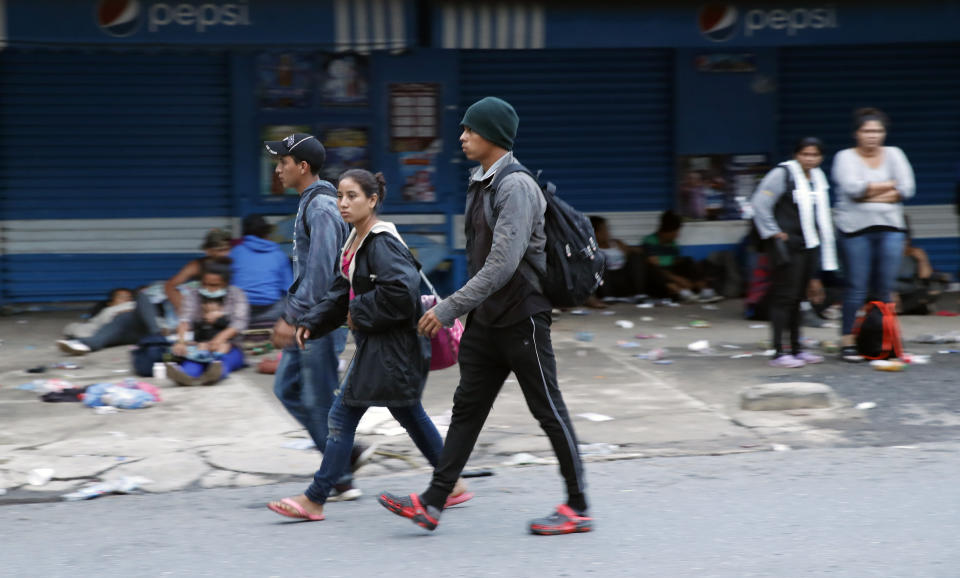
493	119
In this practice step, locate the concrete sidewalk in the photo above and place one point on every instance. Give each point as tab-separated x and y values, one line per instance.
236	434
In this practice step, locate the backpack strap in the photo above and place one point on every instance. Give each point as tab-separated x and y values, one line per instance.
303	217
503	173
892	340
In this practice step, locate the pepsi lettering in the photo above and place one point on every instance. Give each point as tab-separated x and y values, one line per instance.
200	17
791	20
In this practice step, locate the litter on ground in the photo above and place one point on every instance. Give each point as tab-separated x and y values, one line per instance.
594	416
887	365
699	346
124	485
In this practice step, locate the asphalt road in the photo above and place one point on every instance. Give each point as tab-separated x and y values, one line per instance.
846	512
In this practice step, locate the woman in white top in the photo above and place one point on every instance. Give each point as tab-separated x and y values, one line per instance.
871	181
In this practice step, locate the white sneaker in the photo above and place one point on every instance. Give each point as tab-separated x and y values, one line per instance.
73	347
686	295
708	295
344	493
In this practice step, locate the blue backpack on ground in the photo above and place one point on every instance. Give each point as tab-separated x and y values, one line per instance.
575	264
150	350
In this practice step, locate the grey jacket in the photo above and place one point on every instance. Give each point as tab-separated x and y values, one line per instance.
517	219
851	176
314	252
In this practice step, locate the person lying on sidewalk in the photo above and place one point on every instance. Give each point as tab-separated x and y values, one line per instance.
124	320
216	313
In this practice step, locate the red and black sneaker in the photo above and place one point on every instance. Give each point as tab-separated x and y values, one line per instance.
564	521
411	507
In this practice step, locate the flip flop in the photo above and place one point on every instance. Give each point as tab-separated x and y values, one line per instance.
300	515
458	499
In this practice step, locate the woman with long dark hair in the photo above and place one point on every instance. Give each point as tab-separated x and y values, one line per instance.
792	215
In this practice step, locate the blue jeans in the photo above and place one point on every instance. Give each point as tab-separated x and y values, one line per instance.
126	328
870	262
306	382
343	428
232	361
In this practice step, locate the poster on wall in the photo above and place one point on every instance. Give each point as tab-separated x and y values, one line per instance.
419	171
414	109
344	80
269	183
285	80
347	148
718	187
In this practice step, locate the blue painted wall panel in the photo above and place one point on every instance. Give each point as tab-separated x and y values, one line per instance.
34	278
725	112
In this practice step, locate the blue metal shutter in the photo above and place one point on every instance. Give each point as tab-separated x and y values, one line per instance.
598	122
106	135
918	86
87	137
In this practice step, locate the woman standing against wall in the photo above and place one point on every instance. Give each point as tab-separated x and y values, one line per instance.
872	181
792	215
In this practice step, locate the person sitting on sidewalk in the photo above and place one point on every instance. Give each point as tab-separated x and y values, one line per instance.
918	286
625	274
216	313
124	320
670	274
215	244
262	270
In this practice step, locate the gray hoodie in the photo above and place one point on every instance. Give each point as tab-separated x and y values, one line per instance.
518	238
314	250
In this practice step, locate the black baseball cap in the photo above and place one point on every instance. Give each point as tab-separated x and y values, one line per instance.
304	146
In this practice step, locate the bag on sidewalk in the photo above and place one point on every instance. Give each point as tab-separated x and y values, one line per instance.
575	263
150	350
445	345
877	331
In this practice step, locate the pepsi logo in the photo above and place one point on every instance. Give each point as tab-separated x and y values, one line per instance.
718	22
118	17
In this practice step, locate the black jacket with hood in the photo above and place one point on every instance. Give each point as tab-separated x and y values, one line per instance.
391	362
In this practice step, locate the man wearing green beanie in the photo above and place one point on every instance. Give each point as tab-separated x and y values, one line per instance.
508	327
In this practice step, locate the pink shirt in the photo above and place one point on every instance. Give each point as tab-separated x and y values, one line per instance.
345	266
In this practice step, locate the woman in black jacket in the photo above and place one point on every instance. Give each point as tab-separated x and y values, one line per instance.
377	294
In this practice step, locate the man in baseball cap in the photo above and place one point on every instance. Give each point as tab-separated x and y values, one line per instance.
307	378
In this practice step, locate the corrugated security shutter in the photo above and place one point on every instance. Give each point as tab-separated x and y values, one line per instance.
598	122
918	86
92	142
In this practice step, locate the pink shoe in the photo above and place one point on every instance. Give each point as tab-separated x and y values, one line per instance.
458	499
787	362
807	357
